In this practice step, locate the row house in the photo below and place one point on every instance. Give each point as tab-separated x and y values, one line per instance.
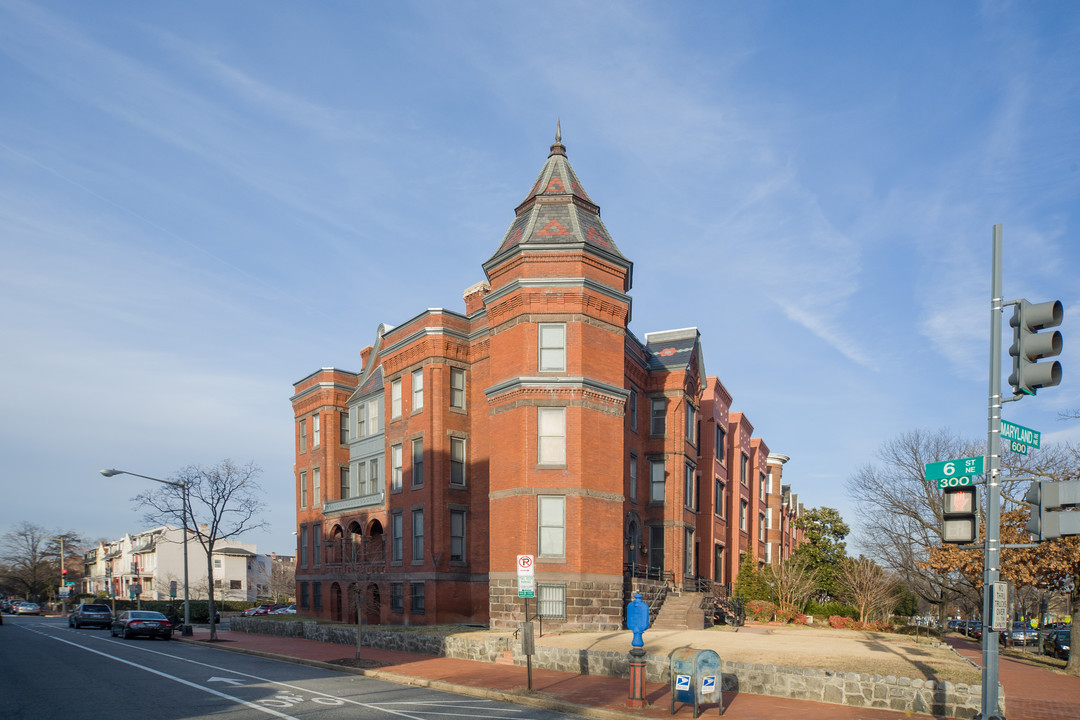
145	565
533	423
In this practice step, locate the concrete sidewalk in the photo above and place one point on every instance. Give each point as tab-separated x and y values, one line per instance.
586	695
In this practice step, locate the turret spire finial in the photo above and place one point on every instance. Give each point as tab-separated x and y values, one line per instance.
558	148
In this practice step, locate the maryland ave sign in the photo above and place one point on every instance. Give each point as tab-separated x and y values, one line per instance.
1018	437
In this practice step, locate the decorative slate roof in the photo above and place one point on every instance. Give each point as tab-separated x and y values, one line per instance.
373	383
672	349
557	211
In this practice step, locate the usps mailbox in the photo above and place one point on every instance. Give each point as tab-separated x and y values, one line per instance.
696	679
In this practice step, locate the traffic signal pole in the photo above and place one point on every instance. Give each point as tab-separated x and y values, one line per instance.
992	548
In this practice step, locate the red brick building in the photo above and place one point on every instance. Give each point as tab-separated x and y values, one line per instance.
534	423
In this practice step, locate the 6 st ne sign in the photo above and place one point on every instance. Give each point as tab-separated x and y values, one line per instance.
955	473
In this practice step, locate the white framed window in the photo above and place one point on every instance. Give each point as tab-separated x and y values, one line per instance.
361	478
457	388
418	390
551	523
552	342
742	515
303	546
457	461
417	536
761	527
316	487
768	518
343	485
633	477
303	435
361	420
761	486
315	430
316	543
374	475
395	465
551	435
343	421
374	413
632	408
303	489
418	462
657	416
457	535
744	470
395	399
657	485
721	444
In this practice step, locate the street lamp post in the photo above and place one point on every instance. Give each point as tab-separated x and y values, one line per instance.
63	575
183	487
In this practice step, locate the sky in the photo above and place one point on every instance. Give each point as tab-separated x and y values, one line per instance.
201	203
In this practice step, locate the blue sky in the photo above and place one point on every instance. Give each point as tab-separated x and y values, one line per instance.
203	202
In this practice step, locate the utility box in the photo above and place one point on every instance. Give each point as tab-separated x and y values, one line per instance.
696	679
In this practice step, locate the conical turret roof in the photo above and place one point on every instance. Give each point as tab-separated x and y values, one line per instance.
557	212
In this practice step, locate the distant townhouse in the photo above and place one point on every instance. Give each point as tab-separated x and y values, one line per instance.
145	565
533	423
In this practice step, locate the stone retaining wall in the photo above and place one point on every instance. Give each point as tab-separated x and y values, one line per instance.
856	689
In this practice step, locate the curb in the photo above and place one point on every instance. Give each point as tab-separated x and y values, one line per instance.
516	697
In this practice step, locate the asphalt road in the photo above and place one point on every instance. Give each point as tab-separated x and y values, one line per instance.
48	670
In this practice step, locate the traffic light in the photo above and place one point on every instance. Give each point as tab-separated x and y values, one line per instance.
960	522
1049	501
1029	346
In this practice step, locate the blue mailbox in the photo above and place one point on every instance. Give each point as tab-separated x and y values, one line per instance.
696	678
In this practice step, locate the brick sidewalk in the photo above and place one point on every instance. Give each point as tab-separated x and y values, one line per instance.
1031	693
586	695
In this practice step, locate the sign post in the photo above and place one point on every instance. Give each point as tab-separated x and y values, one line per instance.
526	589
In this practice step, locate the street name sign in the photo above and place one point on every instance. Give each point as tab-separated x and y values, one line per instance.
955	473
1019	437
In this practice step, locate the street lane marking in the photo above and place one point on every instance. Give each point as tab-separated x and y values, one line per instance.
380	707
174	678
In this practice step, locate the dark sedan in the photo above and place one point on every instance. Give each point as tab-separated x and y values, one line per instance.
131	623
1056	644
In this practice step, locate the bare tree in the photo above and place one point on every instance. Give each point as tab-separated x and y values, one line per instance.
792	582
223	502
282	578
864	584
32	558
900	513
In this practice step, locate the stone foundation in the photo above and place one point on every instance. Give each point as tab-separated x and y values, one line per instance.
591	605
855	689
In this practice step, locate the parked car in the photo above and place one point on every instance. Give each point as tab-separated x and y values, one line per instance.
1021	633
257	610
131	623
27	608
284	610
90	614
1056	644
974	629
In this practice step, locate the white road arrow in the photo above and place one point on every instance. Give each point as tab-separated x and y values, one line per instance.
231	681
